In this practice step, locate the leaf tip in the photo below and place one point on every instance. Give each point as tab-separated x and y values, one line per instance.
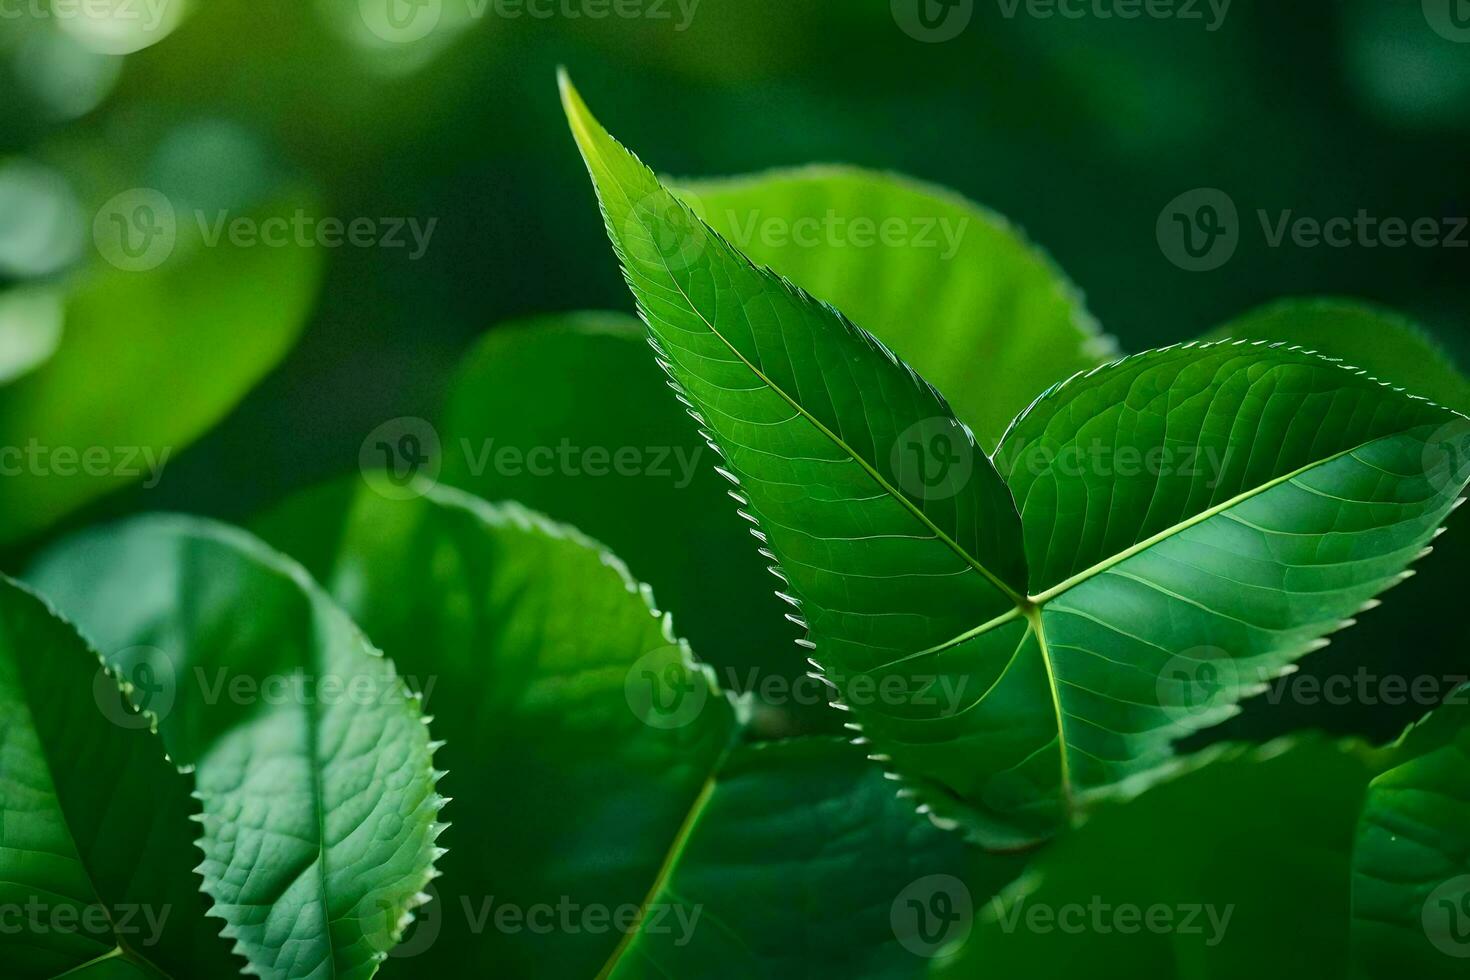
587	131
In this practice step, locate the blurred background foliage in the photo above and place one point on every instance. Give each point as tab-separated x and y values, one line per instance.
1079	131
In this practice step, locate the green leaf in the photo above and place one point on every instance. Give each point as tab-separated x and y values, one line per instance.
1385	344
1374	845
96	867
1194	517
148	360
858	858
597	763
311	757
1237	868
615	456
999	320
1411	862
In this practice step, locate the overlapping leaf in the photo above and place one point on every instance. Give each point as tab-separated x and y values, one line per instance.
1171	530
613	455
311	757
1411	859
1333	860
96	859
598	763
1238	867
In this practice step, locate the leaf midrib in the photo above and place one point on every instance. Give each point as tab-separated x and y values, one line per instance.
671	860
893	492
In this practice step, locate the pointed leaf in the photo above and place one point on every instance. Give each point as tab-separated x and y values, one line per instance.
96	859
312	759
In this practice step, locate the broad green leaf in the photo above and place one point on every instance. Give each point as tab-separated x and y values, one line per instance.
870	890
614	455
96	859
955	290
1247	499
598	764
1238	868
1411	862
1332	860
148	360
311	757
1385	344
